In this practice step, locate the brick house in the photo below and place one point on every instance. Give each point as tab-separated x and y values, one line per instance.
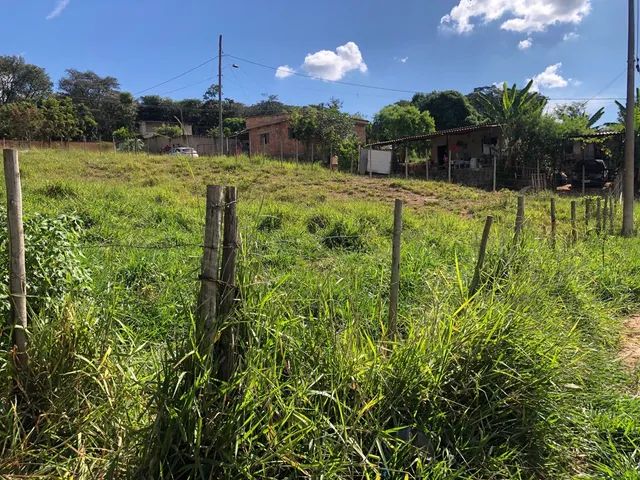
271	135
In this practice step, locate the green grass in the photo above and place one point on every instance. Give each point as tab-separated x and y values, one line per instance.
520	381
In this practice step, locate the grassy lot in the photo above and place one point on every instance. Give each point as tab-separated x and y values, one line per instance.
520	381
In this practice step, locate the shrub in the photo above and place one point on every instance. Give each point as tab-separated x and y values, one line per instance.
53	260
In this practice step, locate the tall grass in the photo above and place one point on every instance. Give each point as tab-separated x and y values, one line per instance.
519	381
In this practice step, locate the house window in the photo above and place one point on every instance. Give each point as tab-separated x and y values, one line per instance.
264	139
290	132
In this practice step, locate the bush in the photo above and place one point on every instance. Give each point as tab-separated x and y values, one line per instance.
53	261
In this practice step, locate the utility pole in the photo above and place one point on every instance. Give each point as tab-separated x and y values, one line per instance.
629	147
221	138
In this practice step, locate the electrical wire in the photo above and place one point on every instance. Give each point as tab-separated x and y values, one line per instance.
177	76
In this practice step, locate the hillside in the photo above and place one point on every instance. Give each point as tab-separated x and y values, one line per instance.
520	381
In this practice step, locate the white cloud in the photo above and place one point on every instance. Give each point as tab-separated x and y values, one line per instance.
404	59
59	8
333	66
570	36
523	15
284	71
525	44
550	78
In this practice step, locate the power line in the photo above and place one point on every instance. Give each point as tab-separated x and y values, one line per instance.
177	76
397	90
339	82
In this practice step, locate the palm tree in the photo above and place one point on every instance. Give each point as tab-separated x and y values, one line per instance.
509	110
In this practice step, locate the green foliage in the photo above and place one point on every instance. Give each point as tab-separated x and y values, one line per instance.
20	120
396	121
21	81
122	134
324	125
169	131
449	109
110	108
132	144
59	120
53	260
233	125
521	381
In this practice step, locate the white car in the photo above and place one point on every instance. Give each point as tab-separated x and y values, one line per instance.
184	151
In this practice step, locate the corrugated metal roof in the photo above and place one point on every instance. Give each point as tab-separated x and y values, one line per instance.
596	135
441	133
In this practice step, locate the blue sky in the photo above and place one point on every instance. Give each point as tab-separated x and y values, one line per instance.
575	48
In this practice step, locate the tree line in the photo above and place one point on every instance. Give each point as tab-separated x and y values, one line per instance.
88	106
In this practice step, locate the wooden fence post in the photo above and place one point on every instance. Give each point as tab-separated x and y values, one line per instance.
17	270
475	283
605	214
208	298
612	211
519	218
574	229
395	269
598	215
406	162
226	348
587	212
553	222
495	173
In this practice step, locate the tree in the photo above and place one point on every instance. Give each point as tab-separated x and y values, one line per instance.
59	119
87	125
322	124
574	119
21	81
449	109
270	106
20	120
233	125
169	131
515	113
110	107
479	97
396	121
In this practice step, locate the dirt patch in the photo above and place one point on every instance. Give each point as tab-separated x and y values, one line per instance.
630	352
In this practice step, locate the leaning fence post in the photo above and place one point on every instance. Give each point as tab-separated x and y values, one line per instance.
598	215
475	283
17	270
519	218
395	269
226	346
574	229
208	298
553	222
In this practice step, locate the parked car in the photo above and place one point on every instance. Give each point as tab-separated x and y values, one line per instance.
596	173
184	151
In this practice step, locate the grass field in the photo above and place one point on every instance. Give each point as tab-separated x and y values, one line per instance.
520	381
